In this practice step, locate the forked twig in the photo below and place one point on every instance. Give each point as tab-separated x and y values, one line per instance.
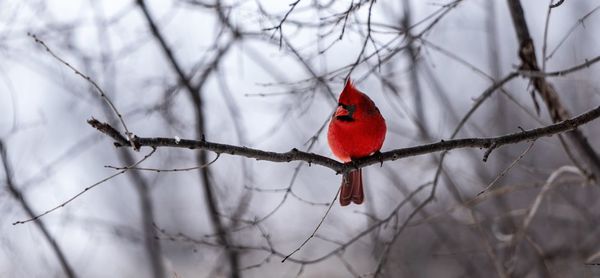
85	190
91	81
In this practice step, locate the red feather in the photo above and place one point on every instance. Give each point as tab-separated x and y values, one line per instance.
356	130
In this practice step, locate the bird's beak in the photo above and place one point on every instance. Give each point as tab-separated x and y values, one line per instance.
344	112
341	111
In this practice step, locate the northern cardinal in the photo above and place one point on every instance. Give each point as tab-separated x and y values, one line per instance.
356	130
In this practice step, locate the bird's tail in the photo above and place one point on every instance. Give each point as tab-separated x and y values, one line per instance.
352	188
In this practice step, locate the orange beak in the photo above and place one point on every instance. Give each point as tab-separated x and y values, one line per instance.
341	111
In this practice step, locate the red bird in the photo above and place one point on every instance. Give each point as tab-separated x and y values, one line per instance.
356	130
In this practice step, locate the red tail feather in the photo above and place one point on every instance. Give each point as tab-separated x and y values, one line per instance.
352	188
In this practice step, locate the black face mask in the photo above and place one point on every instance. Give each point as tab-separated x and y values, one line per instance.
350	109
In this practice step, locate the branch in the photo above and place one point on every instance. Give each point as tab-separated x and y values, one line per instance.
99	90
586	64
185	80
144	190
85	190
194	92
313	234
312	158
16	193
279	27
557	4
558	112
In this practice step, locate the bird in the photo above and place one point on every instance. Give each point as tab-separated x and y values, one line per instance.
356	130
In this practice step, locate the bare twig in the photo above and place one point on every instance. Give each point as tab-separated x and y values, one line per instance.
166	170
36	217
365	41
316	228
503	173
279	27
580	21
586	64
91	81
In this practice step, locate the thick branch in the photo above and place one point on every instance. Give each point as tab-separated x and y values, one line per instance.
546	90
312	158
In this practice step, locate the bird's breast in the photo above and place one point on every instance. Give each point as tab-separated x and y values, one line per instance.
358	138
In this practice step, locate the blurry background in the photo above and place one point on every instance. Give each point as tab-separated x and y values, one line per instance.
266	74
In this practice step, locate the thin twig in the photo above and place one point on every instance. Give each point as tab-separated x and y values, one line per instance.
166	170
99	90
505	171
572	29
316	228
279	27
586	64
85	190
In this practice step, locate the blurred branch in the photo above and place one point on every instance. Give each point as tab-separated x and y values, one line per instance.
531	212
414	65
194	92
586	64
274	252
16	193
36	217
166	49
279	27
152	245
557	4
545	189
558	112
297	155
366	40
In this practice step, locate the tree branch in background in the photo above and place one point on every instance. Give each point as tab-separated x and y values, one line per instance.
97	88
16	193
194	92
153	247
557	4
279	27
558	112
87	189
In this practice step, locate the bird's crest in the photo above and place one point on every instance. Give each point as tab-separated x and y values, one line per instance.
349	94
